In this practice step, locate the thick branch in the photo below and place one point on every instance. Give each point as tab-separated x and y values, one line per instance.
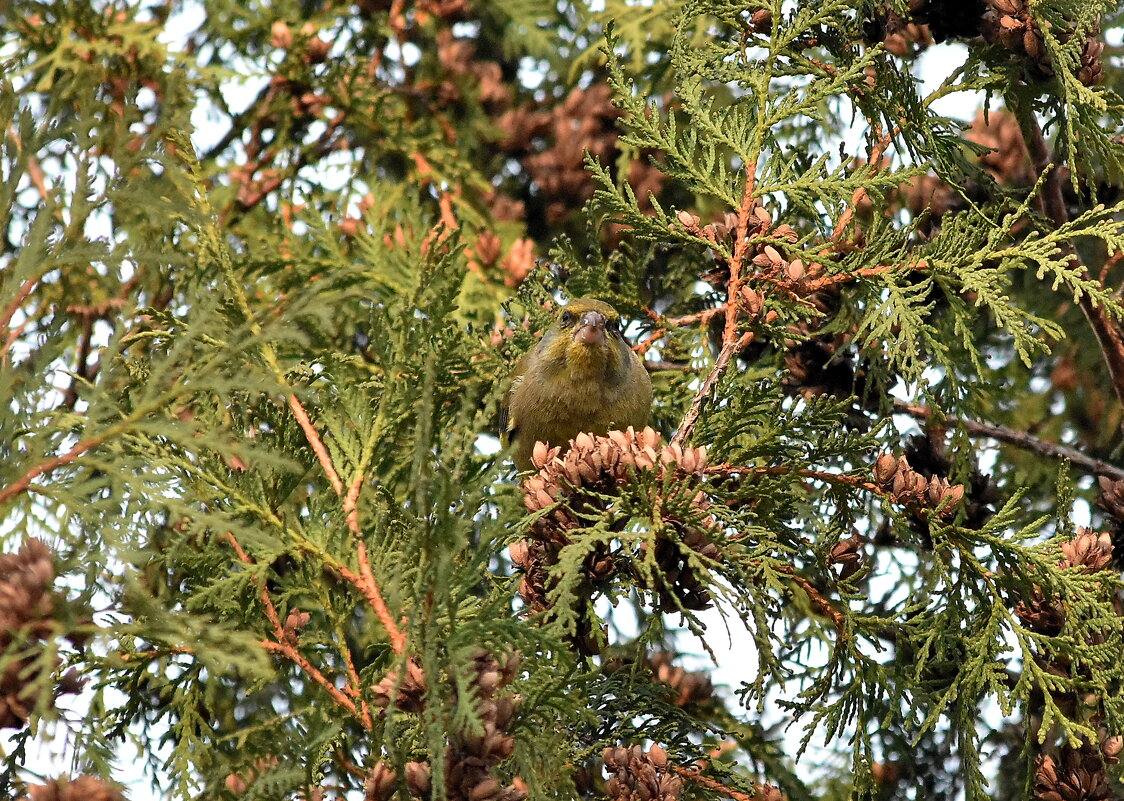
316	443
1020	439
695	776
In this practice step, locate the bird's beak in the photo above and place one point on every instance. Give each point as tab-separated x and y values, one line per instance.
590	329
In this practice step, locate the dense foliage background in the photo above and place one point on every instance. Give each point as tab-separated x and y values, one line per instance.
267	266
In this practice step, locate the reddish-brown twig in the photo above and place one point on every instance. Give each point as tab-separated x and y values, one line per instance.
814	596
366	584
24	481
280	645
860	194
317	444
687	427
34	170
731	341
17	301
13	335
350	508
695	776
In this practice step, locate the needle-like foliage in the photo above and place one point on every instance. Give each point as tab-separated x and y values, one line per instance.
266	271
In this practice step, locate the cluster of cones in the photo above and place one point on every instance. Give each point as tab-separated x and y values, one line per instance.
27	624
912	489
82	788
1004	22
1009	23
690	688
1089	551
767	260
583	483
639	775
1076	774
471	755
1112	501
636	775
1072	773
815	362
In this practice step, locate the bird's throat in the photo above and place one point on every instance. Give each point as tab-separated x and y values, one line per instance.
590	362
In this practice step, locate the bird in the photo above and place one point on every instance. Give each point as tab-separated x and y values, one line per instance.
581	376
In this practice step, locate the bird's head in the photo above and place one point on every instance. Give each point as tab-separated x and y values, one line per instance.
586	338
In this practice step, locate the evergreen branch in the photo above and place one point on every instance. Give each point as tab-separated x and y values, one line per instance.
10	312
731	342
308	155
1019	439
365	582
1108	333
687	426
11	338
860	193
281	646
34	170
824	605
24	482
317	445
695	775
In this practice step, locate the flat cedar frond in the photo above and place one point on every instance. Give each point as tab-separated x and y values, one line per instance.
271	283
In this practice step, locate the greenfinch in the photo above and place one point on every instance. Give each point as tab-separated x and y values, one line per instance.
582	376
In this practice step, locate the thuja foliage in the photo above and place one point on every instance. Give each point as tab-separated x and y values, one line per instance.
267	267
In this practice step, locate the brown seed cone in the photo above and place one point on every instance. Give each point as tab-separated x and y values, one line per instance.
912	489
1046	616
767	792
848	555
678	582
577	482
1091	71
1008	162
1088	550
1075	774
418	779
1111	747
25	583
82	788
690	688
637	775
380	782
27	607
408	693
1112	496
530	556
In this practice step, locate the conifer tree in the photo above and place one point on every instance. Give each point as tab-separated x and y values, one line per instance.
267	269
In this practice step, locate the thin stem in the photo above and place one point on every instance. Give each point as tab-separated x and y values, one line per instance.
279	645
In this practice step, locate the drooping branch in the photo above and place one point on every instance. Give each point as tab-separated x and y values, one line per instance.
696	776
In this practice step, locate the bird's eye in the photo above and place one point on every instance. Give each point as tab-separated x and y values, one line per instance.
567	318
614	326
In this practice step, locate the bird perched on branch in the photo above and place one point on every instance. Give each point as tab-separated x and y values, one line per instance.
582	376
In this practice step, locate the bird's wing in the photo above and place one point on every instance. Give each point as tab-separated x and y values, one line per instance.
509	424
